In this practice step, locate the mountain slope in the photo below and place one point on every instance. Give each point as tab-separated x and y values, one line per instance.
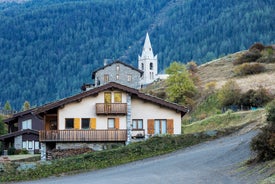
49	48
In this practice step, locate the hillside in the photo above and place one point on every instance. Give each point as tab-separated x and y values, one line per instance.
222	70
49	48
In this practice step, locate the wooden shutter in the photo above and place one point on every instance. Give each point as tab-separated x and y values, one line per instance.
93	123
150	126
116	123
170	126
76	123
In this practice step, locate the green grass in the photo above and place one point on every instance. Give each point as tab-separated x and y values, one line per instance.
226	120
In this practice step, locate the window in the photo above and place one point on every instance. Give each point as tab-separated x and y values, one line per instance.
106	78
160	126
117	76
137	124
36	145
142	66
117	97
27	124
129	77
85	123
111	122
151	66
117	68
30	145
24	144
69	123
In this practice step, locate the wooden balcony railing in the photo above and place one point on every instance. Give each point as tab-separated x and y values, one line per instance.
112	108
82	135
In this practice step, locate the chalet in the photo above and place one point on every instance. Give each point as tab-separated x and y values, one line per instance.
107	114
23	132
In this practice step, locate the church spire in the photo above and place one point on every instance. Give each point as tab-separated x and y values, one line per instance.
147	51
148	63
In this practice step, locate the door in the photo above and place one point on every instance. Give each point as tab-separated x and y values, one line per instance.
107	101
157	126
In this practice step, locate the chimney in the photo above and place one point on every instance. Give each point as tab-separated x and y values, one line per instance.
105	62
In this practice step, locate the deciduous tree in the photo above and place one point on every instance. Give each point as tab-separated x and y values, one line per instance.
180	87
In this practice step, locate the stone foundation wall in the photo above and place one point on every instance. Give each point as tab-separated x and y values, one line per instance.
93	146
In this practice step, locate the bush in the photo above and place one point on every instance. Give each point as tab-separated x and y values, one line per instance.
229	94
257	46
255	98
23	151
264	143
249	69
248	57
11	151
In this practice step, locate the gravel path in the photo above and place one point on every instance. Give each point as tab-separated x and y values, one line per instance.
211	162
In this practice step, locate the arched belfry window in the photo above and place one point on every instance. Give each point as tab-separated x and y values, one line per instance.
151	66
142	66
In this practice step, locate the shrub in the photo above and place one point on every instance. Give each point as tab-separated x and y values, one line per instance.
248	57
256	98
11	151
249	69
229	94
264	143
257	46
23	151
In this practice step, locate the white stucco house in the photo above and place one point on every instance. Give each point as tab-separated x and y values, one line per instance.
111	113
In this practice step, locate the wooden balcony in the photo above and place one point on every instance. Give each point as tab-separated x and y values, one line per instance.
82	135
111	109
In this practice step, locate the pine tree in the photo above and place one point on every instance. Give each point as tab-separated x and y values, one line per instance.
26	106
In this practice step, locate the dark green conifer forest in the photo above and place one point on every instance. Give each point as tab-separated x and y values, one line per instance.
48	48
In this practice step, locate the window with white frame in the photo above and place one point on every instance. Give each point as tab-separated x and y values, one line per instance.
27	124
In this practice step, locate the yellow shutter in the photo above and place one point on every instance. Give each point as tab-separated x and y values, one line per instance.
170	126
76	123
150	126
116	123
93	123
117	97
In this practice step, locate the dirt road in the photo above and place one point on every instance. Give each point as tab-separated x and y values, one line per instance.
212	162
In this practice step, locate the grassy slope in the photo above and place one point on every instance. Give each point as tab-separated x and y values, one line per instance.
221	70
227	120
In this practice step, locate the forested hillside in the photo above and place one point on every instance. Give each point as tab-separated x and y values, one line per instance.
48	48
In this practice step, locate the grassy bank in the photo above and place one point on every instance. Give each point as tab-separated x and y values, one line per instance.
97	160
226	120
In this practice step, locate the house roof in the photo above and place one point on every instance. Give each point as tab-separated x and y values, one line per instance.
16	115
92	92
17	133
117	62
111	86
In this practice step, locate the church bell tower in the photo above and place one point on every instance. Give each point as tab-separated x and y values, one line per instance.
148	63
